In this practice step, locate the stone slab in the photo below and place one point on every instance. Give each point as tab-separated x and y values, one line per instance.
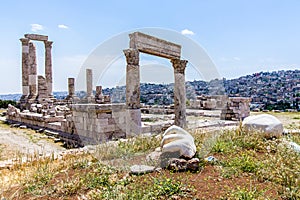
154	46
36	37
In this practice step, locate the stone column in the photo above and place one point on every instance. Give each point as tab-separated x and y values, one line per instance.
71	86
25	69
133	117
99	96
71	91
32	73
89	85
48	66
179	92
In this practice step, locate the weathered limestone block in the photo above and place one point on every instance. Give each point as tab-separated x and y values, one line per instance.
42	89
133	122
266	124
154	46
36	37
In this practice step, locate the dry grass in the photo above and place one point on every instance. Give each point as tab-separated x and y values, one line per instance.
249	166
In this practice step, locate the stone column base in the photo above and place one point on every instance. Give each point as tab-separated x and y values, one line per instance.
133	122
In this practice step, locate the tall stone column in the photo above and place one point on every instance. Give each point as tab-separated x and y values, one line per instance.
179	92
25	69
133	117
89	86
32	73
48	67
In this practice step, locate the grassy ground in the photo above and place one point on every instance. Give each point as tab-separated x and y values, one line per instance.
248	166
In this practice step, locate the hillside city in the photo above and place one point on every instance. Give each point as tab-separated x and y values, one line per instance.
277	90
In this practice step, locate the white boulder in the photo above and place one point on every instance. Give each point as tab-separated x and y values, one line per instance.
264	123
176	139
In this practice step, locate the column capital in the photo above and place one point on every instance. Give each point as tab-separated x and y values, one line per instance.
179	65
48	44
24	41
132	56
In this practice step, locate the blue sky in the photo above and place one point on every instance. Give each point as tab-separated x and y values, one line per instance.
241	37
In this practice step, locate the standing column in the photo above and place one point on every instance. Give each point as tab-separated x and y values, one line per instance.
32	73
179	92
133	118
25	69
71	90
89	85
99	95
48	66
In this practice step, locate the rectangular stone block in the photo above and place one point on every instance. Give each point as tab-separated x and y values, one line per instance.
36	37
154	46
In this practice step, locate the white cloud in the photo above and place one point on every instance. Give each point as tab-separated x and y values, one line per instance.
36	27
62	26
237	58
187	32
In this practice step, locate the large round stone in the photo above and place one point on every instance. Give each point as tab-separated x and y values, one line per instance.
264	123
179	142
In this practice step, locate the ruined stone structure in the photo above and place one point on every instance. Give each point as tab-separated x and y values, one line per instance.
237	108
208	102
140	42
93	119
31	92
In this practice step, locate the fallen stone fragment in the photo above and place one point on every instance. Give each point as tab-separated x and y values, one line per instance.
267	124
176	139
178	164
141	169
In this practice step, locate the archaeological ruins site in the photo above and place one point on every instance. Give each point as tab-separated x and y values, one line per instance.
94	118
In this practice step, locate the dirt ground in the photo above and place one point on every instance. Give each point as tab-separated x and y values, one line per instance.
16	142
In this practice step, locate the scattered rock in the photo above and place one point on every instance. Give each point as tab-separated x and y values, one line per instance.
177	164
154	157
264	123
141	169
23	127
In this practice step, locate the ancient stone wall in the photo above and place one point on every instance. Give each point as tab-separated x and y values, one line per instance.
95	123
237	108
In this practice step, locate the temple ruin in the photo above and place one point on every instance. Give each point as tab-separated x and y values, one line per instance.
35	89
94	118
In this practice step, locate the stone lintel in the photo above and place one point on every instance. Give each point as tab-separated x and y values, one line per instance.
36	37
154	46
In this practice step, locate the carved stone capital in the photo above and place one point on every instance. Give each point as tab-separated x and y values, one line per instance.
132	56
48	44
24	41
179	65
